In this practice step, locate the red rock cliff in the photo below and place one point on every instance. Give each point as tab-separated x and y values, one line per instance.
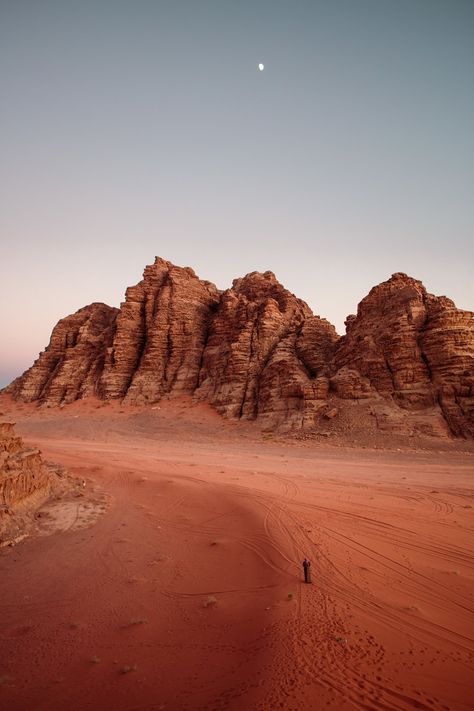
71	365
256	351
259	360
159	336
411	347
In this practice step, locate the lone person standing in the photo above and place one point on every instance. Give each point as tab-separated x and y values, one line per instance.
307	570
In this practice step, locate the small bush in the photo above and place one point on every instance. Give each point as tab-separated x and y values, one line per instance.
126	669
136	621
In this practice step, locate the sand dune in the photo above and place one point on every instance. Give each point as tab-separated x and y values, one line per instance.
176	581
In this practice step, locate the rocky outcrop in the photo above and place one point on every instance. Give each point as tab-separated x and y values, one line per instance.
410	347
257	351
348	383
71	365
159	336
25	481
382	343
258	360
447	344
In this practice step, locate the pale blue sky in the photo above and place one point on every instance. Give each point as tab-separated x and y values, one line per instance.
135	129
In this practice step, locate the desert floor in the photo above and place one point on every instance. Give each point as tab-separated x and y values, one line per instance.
175	581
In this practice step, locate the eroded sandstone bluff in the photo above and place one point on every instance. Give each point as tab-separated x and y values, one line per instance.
254	351
25	482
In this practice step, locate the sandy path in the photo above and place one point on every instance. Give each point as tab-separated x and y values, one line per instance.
388	623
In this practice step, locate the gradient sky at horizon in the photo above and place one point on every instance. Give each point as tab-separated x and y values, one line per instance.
135	129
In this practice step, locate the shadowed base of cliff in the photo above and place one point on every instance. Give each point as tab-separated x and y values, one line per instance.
371	423
187	592
377	424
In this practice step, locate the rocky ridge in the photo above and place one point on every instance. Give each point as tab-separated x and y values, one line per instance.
256	351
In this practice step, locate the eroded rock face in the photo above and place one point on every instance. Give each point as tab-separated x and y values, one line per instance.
382	342
256	351
410	347
264	351
159	336
24	479
71	365
294	386
447	343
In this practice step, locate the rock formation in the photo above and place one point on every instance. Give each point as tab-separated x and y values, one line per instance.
159	335
71	366
255	351
25	481
412	348
251	365
448	351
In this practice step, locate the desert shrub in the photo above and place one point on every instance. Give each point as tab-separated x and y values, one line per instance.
126	669
136	621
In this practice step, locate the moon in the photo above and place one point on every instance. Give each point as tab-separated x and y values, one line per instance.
261	67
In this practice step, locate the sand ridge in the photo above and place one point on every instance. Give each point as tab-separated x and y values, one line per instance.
186	592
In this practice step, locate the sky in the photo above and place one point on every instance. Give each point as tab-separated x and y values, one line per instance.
135	129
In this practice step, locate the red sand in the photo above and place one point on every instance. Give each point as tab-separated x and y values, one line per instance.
187	592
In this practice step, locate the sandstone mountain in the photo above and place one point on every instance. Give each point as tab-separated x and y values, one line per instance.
255	351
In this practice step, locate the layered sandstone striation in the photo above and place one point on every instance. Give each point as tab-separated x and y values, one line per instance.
251	365
25	480
448	351
159	337
71	365
256	351
411	348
